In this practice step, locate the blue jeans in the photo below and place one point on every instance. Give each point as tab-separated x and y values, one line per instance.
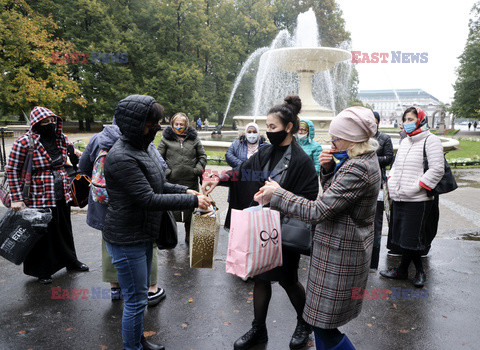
133	270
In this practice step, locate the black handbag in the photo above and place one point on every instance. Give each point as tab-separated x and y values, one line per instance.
79	186
447	183
296	235
20	231
168	237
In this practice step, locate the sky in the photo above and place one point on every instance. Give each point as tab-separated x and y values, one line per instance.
437	27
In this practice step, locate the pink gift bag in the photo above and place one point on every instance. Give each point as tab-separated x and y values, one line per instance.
255	243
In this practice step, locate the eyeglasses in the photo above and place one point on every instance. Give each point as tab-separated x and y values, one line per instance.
333	142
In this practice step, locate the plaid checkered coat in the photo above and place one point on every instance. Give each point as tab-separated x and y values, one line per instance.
343	239
42	194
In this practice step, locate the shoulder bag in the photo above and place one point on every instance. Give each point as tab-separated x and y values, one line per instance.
447	183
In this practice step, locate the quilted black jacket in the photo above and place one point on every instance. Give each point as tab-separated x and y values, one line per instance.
136	186
384	153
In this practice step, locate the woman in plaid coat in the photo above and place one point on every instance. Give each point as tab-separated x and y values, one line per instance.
50	188
344	217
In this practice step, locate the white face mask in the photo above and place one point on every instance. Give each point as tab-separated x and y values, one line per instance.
302	136
252	137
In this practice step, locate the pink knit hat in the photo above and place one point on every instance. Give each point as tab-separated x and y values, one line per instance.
355	124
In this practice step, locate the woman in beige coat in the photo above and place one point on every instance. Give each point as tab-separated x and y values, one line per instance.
344	217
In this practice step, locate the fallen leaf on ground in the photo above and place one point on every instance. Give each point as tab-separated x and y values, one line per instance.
226	323
22	332
251	293
444	316
403	330
184	325
147	334
68	329
103	347
236	311
369	324
177	274
190	300
221	312
394	306
250	299
310	344
2	281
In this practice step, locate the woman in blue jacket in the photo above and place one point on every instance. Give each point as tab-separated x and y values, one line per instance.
245	146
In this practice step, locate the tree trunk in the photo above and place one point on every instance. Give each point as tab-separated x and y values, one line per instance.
80	125
88	121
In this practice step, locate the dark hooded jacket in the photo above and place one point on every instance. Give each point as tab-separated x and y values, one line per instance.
185	160
137	191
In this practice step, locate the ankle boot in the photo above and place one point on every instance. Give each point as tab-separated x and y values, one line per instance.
256	335
150	346
300	336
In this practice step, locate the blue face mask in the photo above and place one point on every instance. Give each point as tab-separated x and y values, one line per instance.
342	156
409	127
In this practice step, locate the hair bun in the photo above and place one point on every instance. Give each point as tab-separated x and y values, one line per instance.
294	103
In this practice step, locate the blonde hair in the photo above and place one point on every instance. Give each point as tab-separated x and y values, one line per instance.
180	115
360	148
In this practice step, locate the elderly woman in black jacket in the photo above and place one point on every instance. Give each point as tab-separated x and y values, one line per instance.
138	194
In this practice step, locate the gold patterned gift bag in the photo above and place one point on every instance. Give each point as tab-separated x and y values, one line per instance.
204	238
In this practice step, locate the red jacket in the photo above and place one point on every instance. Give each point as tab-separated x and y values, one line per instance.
42	193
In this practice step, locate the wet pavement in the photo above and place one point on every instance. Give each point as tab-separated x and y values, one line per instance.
209	309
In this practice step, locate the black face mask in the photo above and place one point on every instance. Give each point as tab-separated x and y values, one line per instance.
276	138
47	131
150	136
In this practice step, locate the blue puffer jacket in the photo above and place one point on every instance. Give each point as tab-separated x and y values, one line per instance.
238	150
104	140
312	148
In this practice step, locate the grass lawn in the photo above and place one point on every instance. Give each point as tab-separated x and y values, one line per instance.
467	150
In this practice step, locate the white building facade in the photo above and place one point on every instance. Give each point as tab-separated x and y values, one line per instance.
390	104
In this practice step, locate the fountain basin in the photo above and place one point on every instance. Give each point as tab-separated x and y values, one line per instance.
307	59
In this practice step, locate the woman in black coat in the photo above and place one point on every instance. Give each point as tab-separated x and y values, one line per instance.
284	161
138	194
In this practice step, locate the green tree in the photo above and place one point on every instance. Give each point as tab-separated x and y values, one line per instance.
466	102
28	75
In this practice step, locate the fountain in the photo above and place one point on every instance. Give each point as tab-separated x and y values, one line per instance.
291	69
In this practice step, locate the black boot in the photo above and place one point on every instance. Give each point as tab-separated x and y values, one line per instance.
150	346
300	336
256	335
